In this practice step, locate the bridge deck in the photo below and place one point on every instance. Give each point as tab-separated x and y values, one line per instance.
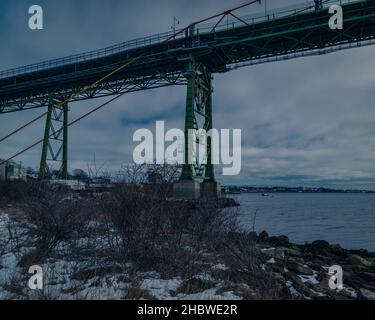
163	62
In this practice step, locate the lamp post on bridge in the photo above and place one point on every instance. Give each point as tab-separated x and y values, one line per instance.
318	5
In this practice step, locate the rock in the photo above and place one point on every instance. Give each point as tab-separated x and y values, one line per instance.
336	249
263	237
317	266
283	252
367	276
367	294
353	280
279	240
298	285
358	260
276	268
278	276
347	293
320	244
299	268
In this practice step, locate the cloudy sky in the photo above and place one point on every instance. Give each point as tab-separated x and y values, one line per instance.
305	122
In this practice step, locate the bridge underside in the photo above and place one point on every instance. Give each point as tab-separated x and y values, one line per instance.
164	64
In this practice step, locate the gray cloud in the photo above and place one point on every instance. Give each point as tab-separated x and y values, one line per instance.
307	121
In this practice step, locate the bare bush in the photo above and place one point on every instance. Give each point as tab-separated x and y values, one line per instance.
54	215
12	190
246	264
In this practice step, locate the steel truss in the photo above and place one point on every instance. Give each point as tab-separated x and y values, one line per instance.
104	89
55	144
198	115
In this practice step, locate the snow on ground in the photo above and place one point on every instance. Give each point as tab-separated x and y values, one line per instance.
210	294
159	288
309	279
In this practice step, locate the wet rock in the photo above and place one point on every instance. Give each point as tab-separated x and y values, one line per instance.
336	249
283	252
348	293
298	268
279	240
353	280
263	237
358	260
320	244
367	294
367	276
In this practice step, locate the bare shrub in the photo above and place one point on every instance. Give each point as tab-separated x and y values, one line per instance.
54	215
154	233
12	190
246	264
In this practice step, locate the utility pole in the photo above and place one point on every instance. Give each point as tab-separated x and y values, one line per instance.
318	5
175	22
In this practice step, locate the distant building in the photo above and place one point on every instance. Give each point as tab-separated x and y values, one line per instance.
10	171
74	185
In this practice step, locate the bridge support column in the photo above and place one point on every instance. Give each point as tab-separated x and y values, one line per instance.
55	143
198	115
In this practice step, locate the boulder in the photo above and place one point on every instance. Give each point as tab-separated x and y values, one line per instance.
367	294
298	268
367	276
279	240
358	260
263	237
320	244
336	249
353	280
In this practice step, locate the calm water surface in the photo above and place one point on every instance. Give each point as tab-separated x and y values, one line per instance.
347	219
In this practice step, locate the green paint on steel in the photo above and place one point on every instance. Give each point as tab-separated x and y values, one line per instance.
198	103
187	170
43	160
56	130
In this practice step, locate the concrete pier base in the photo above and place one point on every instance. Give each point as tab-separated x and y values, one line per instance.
193	190
186	189
210	190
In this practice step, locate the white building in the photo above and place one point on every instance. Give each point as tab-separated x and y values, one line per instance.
12	171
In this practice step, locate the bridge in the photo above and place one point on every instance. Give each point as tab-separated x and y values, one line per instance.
190	57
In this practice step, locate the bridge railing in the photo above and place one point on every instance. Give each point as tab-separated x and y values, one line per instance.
158	38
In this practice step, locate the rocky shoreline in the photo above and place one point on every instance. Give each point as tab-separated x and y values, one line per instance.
304	268
238	265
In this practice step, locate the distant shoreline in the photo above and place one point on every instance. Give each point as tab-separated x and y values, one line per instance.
241	189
